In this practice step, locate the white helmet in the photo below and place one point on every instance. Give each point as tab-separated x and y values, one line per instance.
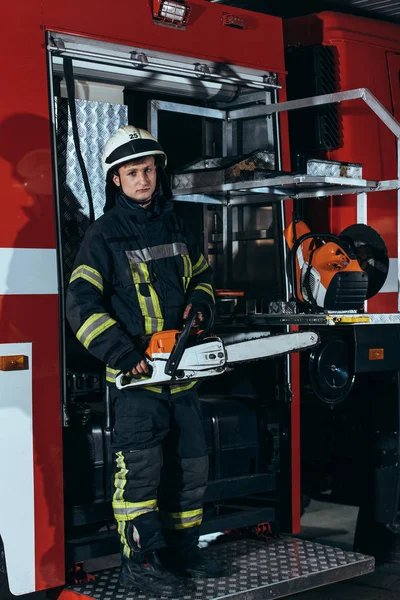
128	143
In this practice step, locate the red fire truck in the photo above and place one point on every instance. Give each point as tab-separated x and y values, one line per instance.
211	84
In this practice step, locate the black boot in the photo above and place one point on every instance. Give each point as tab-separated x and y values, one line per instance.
194	564
150	577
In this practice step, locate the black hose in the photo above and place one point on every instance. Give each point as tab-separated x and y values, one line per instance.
70	84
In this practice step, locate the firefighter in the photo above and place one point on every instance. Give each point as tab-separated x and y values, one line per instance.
139	271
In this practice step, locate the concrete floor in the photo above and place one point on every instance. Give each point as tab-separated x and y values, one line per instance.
334	525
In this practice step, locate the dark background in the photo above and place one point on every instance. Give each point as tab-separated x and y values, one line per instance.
387	10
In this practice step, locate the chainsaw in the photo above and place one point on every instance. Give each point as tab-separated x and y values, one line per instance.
174	356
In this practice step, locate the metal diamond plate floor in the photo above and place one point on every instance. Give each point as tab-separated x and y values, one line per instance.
261	570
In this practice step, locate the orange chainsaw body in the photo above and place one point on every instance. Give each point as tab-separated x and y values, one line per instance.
327	258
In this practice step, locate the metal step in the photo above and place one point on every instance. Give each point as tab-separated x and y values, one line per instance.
261	570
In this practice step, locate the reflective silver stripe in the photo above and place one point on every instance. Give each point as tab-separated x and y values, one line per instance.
180	521
140	272
127	511
94	326
193	519
89	274
156	252
111	374
149	304
131	513
120	477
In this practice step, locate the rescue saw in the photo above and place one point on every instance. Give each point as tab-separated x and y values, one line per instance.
335	272
175	356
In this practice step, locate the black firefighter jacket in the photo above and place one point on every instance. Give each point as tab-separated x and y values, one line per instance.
135	272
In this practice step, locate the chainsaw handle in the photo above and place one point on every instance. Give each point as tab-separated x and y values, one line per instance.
181	340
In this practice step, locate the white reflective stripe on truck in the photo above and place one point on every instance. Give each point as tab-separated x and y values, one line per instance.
28	271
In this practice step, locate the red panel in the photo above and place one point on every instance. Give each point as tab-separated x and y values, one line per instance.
29	222
295	441
367	140
329	27
383	303
19	322
259	45
25	163
294	358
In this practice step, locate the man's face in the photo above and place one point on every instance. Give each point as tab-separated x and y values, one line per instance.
138	180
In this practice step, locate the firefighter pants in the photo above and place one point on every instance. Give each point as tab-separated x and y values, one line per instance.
160	469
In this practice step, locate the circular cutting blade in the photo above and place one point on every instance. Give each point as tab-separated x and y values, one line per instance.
371	253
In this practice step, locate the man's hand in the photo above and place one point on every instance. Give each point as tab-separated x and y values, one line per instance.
142	368
199	316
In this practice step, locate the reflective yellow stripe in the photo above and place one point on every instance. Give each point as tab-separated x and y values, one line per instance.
200	266
153	388
134	505
128	511
204	287
187	270
149	305
175	389
187	525
120	478
152	325
187	513
93	327
121	531
112	374
89	274
182	520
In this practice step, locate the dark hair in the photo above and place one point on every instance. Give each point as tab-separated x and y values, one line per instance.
137	161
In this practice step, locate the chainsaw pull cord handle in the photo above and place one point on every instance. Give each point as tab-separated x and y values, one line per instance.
172	363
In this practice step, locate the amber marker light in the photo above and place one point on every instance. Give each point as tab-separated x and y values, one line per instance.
17	362
376	354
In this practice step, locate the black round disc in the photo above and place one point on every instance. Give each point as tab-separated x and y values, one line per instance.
331	371
371	253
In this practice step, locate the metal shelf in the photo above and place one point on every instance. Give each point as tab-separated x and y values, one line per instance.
286	186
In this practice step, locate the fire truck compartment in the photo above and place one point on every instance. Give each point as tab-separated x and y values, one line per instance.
225	158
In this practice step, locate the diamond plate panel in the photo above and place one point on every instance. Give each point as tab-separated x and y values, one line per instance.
96	122
261	570
328	168
217	171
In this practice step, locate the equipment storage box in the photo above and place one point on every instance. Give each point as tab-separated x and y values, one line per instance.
232	435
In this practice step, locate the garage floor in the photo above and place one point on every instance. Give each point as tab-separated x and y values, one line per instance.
334	524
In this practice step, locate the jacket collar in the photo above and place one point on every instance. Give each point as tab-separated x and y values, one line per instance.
158	208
